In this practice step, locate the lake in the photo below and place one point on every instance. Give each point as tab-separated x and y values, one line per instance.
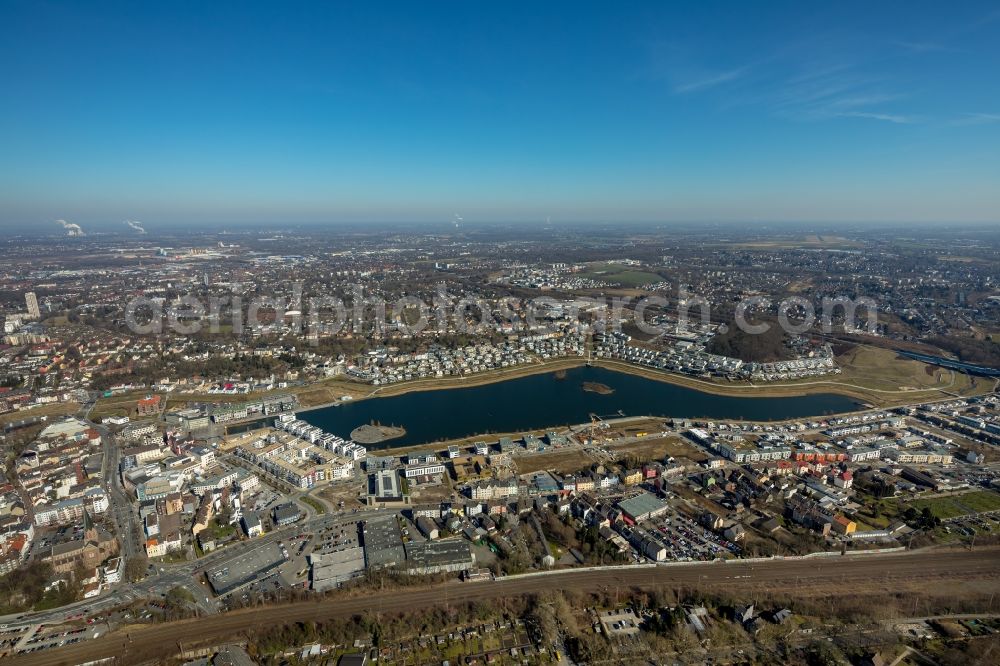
552	400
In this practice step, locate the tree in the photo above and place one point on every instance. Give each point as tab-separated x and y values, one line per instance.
822	653
136	567
23	588
542	615
761	348
224	516
180	594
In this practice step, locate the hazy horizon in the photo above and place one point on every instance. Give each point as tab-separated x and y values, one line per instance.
735	228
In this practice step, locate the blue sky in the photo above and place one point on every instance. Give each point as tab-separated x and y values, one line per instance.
197	112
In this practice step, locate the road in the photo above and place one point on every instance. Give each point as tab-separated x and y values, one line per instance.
121	507
154	642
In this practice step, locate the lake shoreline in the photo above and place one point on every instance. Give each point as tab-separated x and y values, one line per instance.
732	390
540	400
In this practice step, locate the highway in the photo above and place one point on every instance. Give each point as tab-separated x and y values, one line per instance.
154	642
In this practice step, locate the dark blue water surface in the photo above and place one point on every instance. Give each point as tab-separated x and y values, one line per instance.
542	401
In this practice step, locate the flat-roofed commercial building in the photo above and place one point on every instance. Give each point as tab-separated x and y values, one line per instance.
642	507
243	569
330	570
385	487
431	557
383	542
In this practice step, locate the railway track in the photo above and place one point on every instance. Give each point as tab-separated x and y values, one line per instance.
153	643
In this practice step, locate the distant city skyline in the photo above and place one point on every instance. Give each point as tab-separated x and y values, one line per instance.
517	112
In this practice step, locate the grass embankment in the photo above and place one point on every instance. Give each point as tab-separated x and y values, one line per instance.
478	379
883	370
50	411
876	376
328	391
316	505
116	405
322	392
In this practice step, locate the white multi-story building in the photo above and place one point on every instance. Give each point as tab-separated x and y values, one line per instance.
743	454
31	301
423	469
494	489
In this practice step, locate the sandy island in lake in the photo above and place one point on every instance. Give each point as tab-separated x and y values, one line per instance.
373	434
597	387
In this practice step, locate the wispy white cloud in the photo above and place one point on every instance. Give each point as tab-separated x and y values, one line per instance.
924	47
826	92
825	78
868	100
987	19
885	117
712	81
977	119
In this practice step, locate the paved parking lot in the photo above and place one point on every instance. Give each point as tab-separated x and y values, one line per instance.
42	637
686	540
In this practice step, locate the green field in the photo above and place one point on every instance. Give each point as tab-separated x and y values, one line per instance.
958	505
945	508
983	500
620	274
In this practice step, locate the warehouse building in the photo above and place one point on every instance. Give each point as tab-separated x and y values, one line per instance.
432	557
331	570
383	542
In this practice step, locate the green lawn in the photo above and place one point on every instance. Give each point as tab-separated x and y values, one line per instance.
863	526
218	531
315	504
634	278
982	500
887	513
